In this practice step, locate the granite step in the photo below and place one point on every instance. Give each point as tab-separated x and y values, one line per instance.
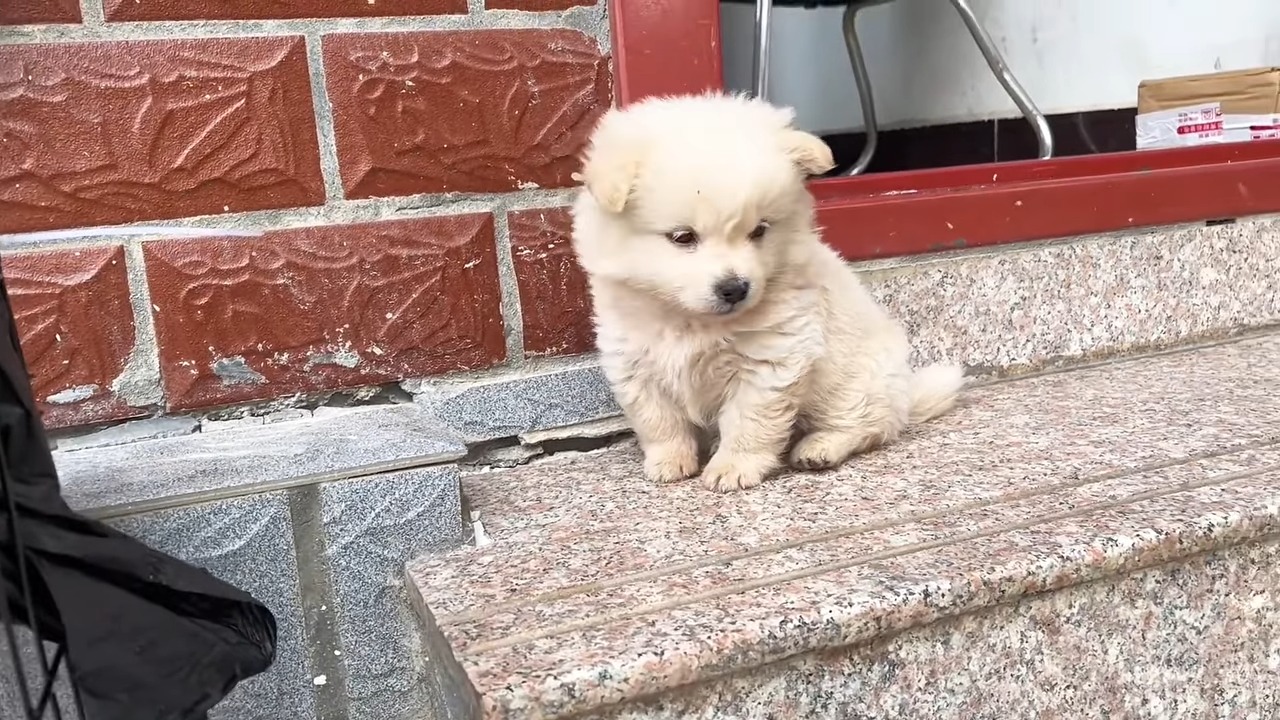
1102	541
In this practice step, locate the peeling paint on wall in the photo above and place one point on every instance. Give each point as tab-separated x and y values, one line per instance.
72	395
342	358
235	371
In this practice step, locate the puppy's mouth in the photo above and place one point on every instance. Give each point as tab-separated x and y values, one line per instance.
725	309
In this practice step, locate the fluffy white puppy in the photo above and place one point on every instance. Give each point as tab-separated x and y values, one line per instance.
718	306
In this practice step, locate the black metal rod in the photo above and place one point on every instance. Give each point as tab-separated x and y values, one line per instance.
47	697
20	674
24	584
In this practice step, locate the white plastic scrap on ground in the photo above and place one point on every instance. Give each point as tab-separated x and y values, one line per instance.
477	528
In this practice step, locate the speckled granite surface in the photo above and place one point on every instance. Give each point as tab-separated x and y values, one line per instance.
600	588
1197	639
1012	308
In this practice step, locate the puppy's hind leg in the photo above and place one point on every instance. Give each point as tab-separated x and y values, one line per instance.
847	429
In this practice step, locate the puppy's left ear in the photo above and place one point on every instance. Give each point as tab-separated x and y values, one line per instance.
807	151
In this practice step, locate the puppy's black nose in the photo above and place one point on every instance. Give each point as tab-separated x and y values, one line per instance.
732	290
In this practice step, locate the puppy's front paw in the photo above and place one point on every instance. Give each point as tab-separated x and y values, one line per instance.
671	463
726	473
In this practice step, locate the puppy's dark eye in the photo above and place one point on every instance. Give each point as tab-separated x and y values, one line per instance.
759	230
683	237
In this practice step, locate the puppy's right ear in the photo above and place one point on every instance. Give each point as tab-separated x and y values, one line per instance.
611	165
610	180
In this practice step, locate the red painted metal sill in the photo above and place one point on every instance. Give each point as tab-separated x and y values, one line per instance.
918	212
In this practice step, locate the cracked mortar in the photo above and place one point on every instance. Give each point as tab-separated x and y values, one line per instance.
139	382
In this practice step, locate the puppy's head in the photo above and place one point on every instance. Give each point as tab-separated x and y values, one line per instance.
697	201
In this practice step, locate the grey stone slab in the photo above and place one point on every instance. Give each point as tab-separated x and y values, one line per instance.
590	430
372	527
511	406
131	432
247	542
123	479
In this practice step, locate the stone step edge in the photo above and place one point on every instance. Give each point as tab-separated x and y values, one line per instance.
1137	351
364	472
117	480
1119	356
1072	572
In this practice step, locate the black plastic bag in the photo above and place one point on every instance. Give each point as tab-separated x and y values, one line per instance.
146	636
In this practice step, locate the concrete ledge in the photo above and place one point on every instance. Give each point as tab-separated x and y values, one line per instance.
598	589
126	479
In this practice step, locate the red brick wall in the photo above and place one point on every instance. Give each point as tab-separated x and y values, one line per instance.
406	163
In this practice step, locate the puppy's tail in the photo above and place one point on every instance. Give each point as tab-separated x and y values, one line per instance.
934	389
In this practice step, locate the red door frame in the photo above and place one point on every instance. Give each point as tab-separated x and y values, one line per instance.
664	47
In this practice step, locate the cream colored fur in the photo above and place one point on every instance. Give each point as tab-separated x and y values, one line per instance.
808	350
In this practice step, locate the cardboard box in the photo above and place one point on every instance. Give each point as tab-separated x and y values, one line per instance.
1237	106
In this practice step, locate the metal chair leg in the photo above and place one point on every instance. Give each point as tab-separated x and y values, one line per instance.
1011	85
764	14
863	80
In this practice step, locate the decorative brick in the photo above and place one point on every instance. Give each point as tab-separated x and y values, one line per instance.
114	132
132	10
75	322
463	111
33	12
536	5
322	308
554	297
